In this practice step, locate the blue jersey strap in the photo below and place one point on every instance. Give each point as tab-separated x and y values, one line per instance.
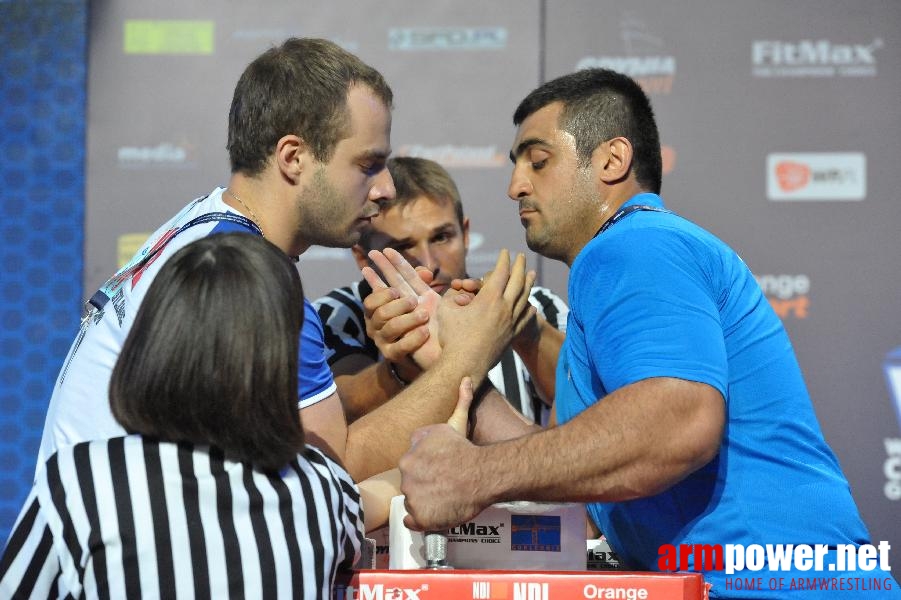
115	283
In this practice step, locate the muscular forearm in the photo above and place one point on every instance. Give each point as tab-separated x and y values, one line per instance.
493	419
636	442
376	441
364	389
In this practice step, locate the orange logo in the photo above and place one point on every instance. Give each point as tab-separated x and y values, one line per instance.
792	175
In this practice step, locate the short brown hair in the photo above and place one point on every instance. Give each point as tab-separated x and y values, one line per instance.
415	177
297	88
212	355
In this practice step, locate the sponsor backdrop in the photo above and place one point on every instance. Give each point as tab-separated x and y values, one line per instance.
779	123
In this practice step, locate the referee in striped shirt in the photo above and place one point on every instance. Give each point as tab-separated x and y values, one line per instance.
426	224
214	494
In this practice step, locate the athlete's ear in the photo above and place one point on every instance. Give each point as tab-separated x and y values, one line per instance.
293	156
612	159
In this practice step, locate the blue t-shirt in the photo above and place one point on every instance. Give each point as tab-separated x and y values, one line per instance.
314	377
657	296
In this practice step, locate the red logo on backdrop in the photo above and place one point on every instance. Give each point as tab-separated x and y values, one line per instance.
668	156
792	175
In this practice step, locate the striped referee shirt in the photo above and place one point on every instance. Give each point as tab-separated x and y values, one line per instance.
341	313
133	518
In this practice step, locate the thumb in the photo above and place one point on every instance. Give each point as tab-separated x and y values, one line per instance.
425	274
460	419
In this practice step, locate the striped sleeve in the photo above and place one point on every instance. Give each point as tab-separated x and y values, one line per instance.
344	324
347	510
29	567
550	306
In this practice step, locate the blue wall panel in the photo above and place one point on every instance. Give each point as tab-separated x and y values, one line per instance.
42	133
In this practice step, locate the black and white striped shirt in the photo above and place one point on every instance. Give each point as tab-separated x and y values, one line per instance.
129	517
341	313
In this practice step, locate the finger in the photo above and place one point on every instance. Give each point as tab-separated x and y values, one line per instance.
466	285
522	301
396	328
522	322
426	275
406	271
463	298
406	345
390	271
378	298
411	523
496	279
459	420
372	278
517	280
381	314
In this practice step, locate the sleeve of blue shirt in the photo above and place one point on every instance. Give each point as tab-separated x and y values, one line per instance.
315	381
649	307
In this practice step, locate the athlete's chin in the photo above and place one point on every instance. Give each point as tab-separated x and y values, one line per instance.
345	240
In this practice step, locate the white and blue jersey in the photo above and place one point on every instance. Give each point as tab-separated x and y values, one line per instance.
79	407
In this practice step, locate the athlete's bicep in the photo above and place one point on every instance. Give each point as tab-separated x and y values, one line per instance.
325	427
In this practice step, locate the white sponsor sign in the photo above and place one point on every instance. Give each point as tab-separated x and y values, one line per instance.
816	176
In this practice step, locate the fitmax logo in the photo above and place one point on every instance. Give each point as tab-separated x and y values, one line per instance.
378	591
473	529
809	52
813	58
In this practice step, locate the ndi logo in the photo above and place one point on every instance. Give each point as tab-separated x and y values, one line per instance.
447	38
892	467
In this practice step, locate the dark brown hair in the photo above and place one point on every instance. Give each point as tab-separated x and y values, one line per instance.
212	355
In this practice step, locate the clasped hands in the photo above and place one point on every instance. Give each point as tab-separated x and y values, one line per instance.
415	327
411	324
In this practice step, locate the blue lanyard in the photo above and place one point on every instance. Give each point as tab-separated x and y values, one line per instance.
626	211
115	283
